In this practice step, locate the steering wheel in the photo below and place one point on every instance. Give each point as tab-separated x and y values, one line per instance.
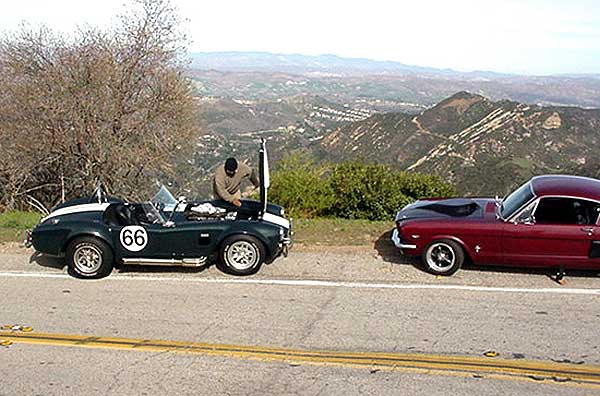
152	218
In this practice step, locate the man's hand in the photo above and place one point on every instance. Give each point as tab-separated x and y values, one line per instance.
249	191
237	203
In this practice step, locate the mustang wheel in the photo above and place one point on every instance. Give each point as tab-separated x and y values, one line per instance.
242	255
443	257
89	257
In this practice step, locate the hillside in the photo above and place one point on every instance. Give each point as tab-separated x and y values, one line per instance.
232	127
484	147
396	92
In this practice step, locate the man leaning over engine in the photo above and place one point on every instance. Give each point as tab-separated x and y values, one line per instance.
228	180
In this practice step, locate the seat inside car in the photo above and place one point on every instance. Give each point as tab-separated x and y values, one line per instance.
124	215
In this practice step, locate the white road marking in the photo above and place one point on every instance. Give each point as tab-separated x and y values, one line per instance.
315	283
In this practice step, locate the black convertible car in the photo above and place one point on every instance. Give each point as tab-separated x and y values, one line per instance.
95	233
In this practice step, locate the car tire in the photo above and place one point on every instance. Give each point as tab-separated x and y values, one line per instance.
89	258
443	257
241	255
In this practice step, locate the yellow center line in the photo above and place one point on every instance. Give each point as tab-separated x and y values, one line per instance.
587	376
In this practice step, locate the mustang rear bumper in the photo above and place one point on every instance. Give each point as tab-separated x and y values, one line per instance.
398	242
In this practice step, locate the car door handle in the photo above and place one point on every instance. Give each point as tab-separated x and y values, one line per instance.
589	230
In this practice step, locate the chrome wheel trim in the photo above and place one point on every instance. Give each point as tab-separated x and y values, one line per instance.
242	255
440	257
87	258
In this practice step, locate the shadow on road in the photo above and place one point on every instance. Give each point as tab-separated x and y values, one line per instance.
160	269
47	261
548	271
388	252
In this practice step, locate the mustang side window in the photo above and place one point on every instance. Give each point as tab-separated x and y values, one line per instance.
566	211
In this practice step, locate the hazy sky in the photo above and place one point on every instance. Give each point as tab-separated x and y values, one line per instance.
527	36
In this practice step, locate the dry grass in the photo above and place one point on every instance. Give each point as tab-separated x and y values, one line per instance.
14	224
339	232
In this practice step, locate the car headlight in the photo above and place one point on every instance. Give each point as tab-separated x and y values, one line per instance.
52	221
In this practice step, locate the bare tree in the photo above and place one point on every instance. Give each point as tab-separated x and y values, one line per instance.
99	105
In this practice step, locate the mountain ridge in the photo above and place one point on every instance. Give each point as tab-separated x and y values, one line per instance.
305	64
480	145
264	61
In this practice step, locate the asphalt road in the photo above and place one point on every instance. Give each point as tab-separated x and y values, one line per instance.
363	323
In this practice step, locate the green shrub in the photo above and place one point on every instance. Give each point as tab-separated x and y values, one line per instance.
366	191
301	187
419	186
351	190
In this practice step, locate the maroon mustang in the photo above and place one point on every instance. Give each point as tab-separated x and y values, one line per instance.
550	221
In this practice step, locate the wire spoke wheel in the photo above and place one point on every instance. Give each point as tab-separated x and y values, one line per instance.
242	255
87	258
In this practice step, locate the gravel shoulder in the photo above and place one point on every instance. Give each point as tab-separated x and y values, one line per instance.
375	264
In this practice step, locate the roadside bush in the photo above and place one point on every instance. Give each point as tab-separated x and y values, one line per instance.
301	187
366	191
419	186
350	190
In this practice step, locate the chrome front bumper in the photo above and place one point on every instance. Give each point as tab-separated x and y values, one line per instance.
398	243
286	243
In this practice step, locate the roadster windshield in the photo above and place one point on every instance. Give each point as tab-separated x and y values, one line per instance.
163	197
516	200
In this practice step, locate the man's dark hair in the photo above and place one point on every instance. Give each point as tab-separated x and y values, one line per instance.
231	165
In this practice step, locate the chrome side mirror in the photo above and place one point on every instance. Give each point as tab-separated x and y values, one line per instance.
528	220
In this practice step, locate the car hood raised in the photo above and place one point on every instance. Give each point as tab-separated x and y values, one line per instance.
459	208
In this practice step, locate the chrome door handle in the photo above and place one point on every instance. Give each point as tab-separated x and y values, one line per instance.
589	230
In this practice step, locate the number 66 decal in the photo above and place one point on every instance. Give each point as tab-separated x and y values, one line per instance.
134	238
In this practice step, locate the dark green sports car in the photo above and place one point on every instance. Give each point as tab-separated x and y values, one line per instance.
98	232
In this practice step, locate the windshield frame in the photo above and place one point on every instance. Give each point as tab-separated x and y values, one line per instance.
522	196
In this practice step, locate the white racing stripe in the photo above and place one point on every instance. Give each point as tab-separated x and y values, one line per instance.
280	221
314	283
91	207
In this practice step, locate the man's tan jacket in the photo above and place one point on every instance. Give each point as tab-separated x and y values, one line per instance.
228	188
